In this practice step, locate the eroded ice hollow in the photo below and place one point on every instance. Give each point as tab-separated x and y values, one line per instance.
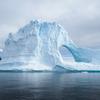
36	47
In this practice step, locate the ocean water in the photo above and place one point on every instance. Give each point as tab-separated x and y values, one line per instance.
49	86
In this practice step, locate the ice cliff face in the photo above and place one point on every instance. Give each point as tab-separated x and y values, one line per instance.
40	42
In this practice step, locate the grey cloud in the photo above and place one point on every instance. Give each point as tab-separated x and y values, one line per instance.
83	23
81	18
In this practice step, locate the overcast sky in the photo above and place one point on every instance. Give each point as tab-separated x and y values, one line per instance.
81	18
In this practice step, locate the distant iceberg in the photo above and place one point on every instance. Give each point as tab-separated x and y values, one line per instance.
36	47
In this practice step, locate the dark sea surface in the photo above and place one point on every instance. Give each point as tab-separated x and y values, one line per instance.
49	86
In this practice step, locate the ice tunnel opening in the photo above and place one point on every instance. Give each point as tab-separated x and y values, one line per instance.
66	54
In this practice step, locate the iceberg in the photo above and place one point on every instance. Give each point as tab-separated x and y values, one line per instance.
36	47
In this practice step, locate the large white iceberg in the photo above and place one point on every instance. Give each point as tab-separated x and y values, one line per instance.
36	47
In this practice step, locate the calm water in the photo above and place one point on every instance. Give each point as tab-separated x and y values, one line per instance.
49	86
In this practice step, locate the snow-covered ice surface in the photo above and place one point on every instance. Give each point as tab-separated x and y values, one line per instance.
36	47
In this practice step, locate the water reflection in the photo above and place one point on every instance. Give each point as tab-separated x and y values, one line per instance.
49	86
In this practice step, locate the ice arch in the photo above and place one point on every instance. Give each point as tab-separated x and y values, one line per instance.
66	54
78	54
